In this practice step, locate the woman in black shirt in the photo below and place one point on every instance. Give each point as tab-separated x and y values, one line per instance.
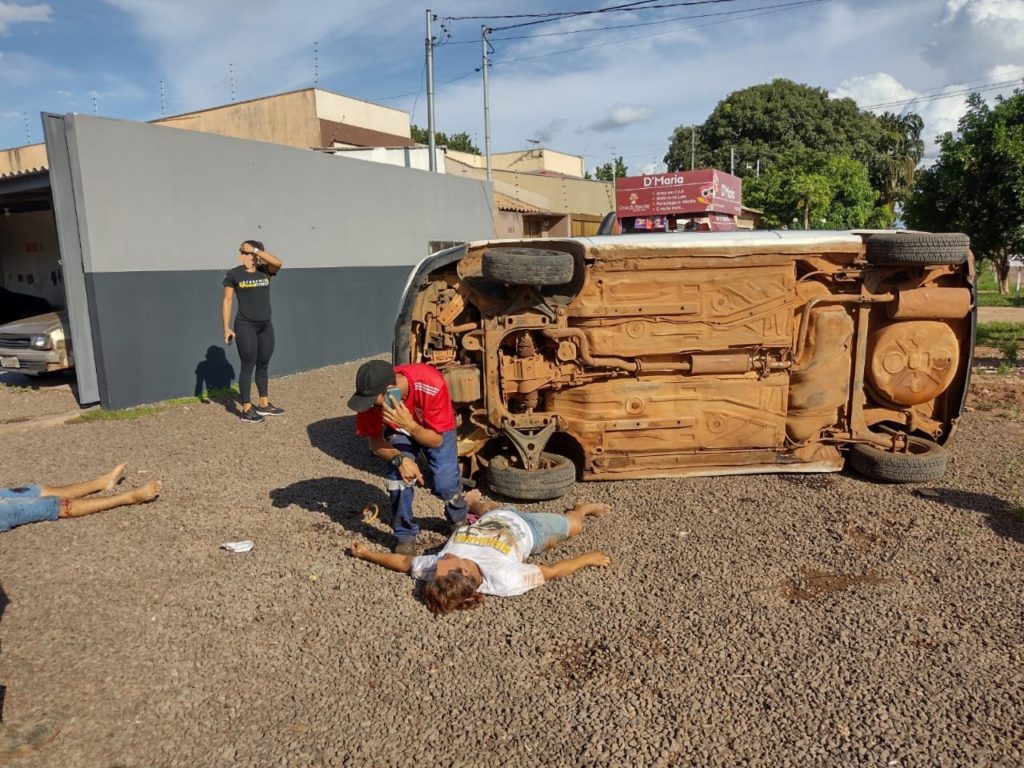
250	283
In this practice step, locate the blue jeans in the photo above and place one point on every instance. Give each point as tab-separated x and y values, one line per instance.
22	505
447	482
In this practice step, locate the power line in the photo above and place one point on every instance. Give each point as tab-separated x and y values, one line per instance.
762	11
629	7
551	14
991	86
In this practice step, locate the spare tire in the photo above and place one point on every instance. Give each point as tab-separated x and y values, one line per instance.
924	462
527	266
892	249
555	477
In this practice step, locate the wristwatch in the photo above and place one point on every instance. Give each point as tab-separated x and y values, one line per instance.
396	460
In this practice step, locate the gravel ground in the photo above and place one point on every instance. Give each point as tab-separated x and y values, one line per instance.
24	397
771	620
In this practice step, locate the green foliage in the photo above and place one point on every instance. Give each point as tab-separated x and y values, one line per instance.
460	142
611	171
977	184
827	158
988	290
825	192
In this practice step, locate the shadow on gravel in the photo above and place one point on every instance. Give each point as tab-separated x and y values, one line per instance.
1001	516
343	500
337	438
42	381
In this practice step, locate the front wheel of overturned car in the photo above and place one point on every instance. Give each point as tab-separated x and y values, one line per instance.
527	266
555	478
892	249
923	462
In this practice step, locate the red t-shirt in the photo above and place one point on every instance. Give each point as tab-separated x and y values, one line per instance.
428	401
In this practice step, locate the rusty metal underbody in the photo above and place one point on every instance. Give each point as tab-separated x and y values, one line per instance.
662	363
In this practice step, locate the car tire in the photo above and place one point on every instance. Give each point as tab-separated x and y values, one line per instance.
893	249
554	479
926	461
527	266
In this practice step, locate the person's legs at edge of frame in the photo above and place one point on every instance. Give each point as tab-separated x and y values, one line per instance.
549	530
26	504
247	341
264	351
447	479
401	496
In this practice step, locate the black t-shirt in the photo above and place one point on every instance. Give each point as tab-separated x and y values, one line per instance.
253	292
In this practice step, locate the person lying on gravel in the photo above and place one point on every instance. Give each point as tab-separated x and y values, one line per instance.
487	557
36	503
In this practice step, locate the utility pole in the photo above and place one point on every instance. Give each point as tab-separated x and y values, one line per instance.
487	108
430	91
693	147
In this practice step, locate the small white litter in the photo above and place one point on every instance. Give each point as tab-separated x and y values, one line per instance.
237	546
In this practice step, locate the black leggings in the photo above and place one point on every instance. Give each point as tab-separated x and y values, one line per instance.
255	346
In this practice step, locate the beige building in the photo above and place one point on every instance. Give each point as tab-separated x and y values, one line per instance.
539	192
310	119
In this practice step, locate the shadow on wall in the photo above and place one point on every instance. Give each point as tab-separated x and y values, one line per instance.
343	500
213	373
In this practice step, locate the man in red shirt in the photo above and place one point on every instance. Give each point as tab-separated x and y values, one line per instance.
421	421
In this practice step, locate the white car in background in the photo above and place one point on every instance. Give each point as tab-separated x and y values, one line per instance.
37	344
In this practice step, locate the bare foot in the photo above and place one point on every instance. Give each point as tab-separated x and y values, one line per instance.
472	497
592	509
148	492
113	477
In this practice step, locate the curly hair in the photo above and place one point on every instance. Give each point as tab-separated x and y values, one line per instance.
451	592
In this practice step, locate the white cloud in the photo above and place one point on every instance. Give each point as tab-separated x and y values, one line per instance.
10	14
548	132
976	35
622	116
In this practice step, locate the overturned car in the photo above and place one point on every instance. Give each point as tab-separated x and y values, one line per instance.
697	354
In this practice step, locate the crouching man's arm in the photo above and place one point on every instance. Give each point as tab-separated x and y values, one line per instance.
400	563
573	564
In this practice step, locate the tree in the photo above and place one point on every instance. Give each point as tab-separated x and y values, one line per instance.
611	171
459	142
824	192
788	129
977	184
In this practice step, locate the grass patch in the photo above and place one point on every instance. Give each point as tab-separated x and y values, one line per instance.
988	291
210	394
124	414
998	333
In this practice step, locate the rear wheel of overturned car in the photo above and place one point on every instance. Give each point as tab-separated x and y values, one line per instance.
555	477
923	462
527	266
894	249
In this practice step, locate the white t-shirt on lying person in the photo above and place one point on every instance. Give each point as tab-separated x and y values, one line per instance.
498	542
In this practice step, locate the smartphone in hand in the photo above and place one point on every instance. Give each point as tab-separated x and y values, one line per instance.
392	397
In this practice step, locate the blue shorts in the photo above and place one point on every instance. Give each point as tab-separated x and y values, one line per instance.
24	504
549	530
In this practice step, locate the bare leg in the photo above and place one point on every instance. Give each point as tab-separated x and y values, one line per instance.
581	510
104	482
81	507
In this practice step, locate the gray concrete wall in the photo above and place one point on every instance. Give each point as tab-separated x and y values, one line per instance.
162	212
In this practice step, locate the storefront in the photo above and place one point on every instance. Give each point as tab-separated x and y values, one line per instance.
706	200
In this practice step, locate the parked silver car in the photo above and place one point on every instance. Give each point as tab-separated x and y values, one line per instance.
37	344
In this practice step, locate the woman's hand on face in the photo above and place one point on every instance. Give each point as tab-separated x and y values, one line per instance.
229	336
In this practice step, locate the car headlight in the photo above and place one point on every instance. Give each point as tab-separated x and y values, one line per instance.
40	341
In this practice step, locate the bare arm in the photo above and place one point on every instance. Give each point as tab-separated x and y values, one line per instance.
573	564
225	313
410	470
403	419
272	263
391	561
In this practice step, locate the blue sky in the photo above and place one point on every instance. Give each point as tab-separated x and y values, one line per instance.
572	84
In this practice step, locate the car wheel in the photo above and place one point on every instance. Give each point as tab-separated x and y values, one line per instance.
527	266
555	477
891	250
923	462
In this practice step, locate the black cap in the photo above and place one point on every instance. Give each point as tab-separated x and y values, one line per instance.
372	379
